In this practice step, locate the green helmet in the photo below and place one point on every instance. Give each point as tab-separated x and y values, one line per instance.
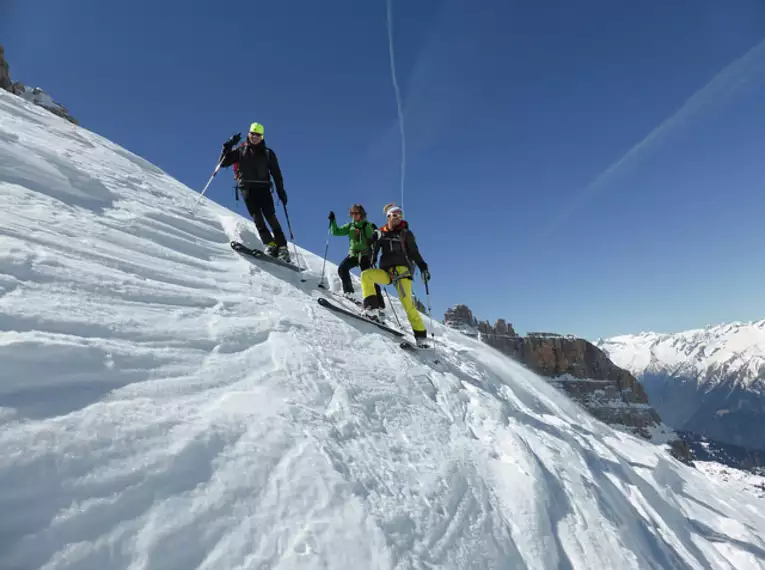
257	128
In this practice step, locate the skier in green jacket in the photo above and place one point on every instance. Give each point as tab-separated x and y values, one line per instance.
360	232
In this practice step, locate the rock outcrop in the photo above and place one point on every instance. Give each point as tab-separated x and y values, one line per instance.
461	318
41	98
33	95
5	71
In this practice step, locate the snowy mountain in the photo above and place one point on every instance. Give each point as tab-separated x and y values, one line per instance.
710	381
166	403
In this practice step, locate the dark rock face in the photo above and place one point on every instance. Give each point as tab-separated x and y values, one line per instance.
461	318
5	72
501	329
459	315
725	412
705	449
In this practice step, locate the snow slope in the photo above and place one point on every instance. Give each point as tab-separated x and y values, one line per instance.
739	478
165	403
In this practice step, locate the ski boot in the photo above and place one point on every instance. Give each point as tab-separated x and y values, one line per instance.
284	254
372	315
421	339
272	249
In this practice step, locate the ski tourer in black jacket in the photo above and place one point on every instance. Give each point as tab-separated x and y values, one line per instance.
397	247
255	164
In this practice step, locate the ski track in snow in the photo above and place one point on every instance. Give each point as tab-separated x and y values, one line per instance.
166	403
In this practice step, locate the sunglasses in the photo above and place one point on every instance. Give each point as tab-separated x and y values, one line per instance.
255	135
395	214
355	213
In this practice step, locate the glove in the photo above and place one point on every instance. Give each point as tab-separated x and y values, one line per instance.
331	216
425	275
232	142
282	195
376	235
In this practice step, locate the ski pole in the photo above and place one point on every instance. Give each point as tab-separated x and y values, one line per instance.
289	226
323	265
215	172
292	236
392	308
430	314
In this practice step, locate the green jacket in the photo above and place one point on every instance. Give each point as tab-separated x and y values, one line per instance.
360	234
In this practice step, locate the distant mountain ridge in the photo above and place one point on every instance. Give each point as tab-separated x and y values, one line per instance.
710	381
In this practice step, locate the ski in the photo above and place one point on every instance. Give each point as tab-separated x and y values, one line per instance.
406	345
258	254
356	302
326	289
337	309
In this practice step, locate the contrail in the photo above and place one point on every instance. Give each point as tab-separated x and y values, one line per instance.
389	19
722	86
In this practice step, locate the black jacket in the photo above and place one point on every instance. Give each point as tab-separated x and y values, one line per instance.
397	247
256	164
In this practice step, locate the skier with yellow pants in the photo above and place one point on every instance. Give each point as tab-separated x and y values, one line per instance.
398	251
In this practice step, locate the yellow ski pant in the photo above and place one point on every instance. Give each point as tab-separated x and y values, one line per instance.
370	277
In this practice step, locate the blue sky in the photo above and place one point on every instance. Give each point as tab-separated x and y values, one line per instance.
513	112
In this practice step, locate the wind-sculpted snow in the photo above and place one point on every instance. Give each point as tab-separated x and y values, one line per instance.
167	404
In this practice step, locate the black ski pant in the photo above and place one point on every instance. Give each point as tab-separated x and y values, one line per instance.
344	271
260	205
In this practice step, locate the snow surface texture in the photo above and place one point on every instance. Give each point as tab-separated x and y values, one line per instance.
166	403
735	477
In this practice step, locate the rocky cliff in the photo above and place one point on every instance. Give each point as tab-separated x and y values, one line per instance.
576	367
33	95
461	318
5	71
